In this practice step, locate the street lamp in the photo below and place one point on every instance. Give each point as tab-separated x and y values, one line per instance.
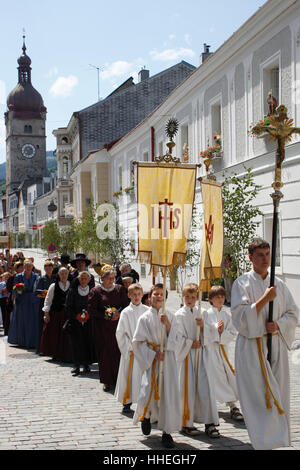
52	207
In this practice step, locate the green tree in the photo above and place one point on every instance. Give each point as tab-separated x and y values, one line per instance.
240	219
51	234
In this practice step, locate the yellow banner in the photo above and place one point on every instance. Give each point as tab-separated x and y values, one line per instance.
213	233
165	207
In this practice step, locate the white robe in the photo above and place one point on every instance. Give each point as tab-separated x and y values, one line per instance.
201	403
224	378
124	334
149	331
266	427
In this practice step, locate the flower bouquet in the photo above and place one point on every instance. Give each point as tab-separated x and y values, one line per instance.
109	312
20	287
41	294
83	317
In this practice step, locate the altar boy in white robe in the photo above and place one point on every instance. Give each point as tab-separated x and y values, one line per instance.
146	345
197	391
263	389
222	333
130	374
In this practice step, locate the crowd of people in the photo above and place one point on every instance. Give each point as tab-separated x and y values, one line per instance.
64	314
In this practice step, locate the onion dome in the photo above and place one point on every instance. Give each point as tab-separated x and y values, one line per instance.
24	97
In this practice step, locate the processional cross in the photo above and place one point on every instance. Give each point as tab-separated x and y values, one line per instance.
280	129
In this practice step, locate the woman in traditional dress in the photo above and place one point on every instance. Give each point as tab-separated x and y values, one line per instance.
80	323
41	292
105	303
55	342
23	327
79	264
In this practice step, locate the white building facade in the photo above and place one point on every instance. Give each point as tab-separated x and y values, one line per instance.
224	96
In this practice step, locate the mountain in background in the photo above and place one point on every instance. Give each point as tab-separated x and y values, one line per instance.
51	166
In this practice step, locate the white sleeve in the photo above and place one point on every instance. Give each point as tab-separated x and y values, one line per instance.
211	333
49	299
122	336
288	321
184	343
244	313
229	332
143	353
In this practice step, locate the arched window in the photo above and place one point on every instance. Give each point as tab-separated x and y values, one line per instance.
65	162
27	129
64	140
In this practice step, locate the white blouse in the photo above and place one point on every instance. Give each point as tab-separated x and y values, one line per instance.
50	294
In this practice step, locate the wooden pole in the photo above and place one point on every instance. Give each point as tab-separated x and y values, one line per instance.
162	337
198	337
276	196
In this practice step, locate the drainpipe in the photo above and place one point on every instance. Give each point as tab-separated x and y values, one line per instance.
152	144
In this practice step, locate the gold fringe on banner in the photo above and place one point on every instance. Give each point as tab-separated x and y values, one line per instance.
213	273
205	285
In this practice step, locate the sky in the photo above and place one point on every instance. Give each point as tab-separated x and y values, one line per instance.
68	39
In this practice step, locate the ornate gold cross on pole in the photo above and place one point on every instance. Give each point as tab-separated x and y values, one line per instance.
280	129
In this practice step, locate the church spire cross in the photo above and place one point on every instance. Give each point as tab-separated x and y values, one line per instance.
24	46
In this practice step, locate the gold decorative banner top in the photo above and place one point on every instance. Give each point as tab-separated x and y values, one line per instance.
165	205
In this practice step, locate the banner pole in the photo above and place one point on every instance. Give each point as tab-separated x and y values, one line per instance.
162	336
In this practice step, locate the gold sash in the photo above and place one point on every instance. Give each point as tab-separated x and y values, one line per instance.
186	411
153	383
127	391
264	371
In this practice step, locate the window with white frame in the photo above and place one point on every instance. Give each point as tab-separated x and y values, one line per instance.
216	120
65	165
270	76
131	176
268	230
184	132
65	200
160	148
120	176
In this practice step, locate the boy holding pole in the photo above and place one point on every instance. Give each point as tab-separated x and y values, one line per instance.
157	401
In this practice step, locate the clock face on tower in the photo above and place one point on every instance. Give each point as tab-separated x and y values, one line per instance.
28	150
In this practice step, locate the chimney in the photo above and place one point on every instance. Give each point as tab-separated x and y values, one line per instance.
205	54
143	74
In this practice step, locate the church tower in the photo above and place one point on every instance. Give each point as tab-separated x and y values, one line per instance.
25	122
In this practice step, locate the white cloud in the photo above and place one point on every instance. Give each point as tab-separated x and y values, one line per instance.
172	36
116	69
64	86
172	54
121	68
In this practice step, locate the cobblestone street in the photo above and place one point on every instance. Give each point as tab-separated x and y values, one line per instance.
43	407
